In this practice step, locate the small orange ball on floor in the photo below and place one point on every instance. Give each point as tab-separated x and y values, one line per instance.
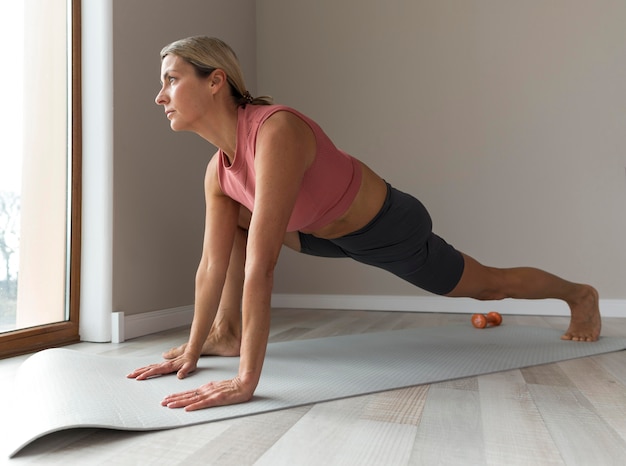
481	321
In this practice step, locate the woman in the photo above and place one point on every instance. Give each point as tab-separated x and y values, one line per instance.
277	179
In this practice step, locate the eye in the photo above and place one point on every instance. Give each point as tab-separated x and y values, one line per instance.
168	79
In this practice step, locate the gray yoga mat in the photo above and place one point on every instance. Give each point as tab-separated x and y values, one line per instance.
61	389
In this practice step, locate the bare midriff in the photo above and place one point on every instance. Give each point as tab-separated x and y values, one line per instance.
367	203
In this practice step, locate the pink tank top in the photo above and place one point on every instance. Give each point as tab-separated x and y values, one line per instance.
328	188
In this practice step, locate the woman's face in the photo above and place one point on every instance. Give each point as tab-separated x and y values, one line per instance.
186	97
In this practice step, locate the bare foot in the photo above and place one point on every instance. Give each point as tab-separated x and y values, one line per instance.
214	345
586	322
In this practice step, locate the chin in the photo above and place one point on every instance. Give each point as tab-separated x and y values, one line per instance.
175	127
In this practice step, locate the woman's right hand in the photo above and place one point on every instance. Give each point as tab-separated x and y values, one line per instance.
182	365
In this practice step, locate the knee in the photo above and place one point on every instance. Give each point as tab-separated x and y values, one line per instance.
496	285
245	217
483	283
489	294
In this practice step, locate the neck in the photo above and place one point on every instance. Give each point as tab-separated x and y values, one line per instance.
222	133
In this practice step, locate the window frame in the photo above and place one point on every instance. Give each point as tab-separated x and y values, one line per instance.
33	339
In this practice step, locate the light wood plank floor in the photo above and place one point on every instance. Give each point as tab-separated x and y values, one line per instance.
570	413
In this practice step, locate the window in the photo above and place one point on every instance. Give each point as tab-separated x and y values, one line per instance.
40	175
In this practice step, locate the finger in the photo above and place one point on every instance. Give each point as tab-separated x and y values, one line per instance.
185	370
153	370
148	374
206	400
137	372
216	397
182	399
208	396
201	404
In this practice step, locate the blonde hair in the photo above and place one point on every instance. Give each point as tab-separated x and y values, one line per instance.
206	54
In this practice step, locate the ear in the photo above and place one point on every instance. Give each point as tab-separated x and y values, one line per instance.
217	80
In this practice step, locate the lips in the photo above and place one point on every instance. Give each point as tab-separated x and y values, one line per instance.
168	113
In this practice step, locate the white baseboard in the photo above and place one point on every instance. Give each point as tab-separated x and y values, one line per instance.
545	307
137	325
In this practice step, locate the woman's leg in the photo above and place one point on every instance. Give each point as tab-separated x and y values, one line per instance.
489	283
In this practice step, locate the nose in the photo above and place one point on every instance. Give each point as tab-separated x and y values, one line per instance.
160	97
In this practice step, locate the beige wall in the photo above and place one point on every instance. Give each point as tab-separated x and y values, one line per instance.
507	119
158	204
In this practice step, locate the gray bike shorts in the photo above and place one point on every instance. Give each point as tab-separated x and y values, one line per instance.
400	240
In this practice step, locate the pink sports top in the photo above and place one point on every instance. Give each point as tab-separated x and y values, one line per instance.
329	185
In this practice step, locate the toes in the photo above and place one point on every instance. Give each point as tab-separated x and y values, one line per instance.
172	353
570	337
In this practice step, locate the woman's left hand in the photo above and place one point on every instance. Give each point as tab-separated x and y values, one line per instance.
226	392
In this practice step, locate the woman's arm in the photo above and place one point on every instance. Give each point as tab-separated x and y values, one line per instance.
221	219
220	223
285	149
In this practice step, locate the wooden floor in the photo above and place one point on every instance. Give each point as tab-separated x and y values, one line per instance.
570	413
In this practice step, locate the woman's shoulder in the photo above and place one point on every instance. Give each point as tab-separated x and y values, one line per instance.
257	115
211	172
256	112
